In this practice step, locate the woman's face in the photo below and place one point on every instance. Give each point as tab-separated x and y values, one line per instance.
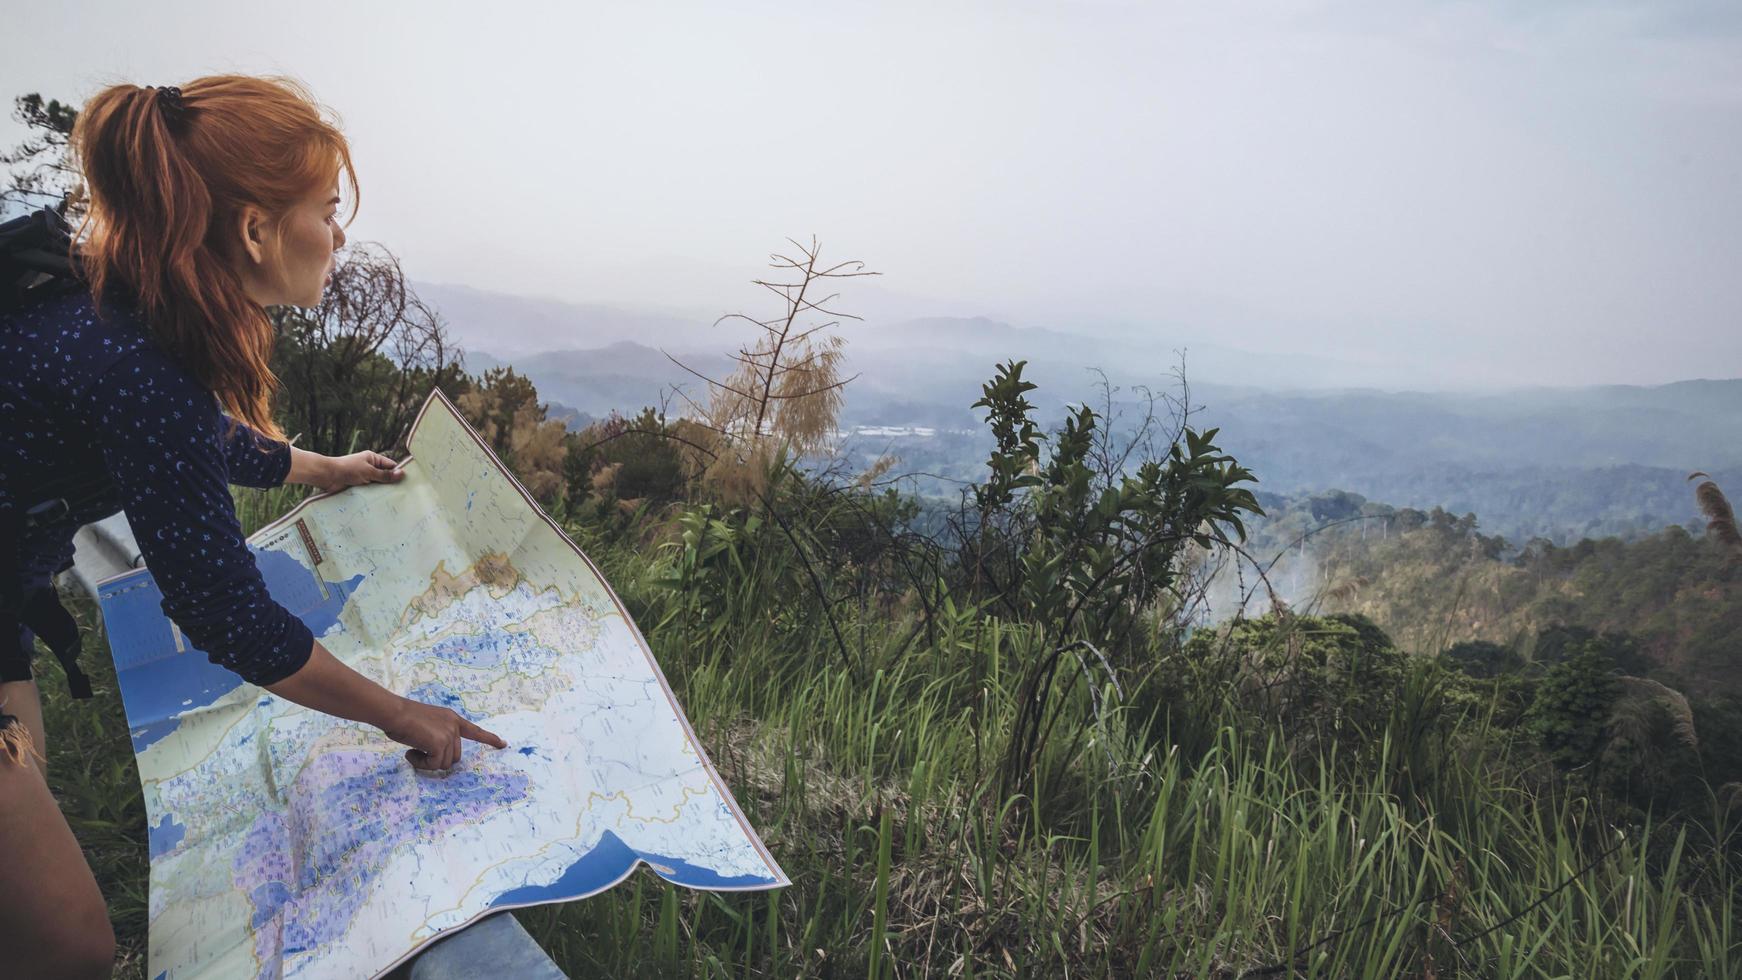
296	273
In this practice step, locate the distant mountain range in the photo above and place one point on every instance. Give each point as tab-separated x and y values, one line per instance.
509	326
1560	462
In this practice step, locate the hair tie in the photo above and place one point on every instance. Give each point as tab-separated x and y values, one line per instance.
169	100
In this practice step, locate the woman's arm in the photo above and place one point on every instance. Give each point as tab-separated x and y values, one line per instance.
256	461
252	459
327	685
332	473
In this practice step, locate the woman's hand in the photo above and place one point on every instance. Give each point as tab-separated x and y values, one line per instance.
334	473
434	734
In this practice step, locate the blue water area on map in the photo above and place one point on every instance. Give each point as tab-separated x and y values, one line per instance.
162	838
528	749
610	861
159	682
695	876
485	650
437	693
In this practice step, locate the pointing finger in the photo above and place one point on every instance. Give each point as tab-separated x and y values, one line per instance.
477	734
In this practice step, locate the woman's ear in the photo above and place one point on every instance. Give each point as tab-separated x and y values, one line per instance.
251	225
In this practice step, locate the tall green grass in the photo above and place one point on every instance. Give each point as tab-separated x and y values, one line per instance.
1213	850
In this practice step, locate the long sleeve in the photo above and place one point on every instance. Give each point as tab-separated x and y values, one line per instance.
162	438
252	459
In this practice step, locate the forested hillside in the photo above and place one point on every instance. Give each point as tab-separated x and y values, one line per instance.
1432	580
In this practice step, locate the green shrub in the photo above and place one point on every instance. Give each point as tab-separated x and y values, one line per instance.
1572	706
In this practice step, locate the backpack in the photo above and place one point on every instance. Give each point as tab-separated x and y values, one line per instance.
37	258
36	261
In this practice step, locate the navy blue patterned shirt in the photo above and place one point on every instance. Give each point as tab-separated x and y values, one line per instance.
94	412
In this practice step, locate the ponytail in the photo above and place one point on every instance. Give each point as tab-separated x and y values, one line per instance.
168	176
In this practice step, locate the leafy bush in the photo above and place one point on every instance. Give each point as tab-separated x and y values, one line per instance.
1480	658
1326	676
1572	707
621	462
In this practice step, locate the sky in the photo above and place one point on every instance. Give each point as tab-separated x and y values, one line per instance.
1529	192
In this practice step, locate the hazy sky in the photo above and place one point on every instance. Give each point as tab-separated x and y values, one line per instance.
1527	191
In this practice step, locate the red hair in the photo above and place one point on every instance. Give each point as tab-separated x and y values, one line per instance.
167	188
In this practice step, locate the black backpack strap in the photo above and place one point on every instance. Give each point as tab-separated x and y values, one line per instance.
40	610
36	255
49	620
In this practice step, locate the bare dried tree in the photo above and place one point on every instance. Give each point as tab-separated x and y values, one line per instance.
784	397
356	367
782	401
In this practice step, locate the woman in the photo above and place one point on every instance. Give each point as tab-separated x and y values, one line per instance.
147	389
